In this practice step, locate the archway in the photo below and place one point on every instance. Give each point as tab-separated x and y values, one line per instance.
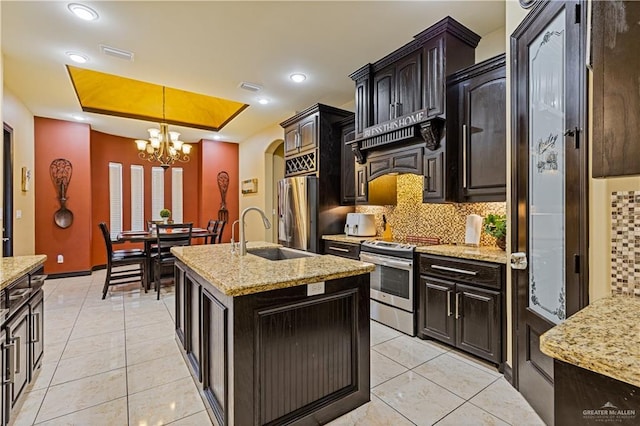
274	172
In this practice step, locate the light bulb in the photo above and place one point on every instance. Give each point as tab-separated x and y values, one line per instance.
186	148
142	144
177	144
174	136
153	132
155	142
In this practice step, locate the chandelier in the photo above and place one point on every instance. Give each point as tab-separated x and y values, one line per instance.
163	146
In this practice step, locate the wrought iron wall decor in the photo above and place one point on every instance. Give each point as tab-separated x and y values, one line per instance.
61	171
223	185
526	4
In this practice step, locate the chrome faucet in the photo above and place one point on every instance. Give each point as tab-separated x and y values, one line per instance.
243	241
234	244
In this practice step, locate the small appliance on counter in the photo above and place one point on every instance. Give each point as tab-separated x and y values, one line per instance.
360	225
473	230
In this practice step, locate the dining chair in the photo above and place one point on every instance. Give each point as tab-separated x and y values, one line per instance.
167	236
134	260
215	227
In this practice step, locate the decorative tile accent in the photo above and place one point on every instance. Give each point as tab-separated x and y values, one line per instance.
625	243
413	217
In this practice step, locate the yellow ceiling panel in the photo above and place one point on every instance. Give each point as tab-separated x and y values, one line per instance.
124	97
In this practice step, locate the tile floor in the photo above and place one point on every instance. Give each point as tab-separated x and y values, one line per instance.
115	362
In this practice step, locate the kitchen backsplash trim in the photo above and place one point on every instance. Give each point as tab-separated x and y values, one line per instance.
412	217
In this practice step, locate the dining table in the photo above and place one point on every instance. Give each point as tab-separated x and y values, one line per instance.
149	238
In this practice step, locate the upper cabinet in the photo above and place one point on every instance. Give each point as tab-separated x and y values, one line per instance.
407	86
616	98
312	142
477	124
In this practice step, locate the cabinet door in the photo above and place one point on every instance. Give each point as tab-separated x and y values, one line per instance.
291	140
193	330
348	162
37	329
433	188
408	85
4	356
181	306
18	343
484	155
362	188
308	130
478	322
342	249
214	354
436	309
433	72
383	95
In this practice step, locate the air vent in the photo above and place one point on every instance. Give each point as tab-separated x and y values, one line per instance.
252	87
116	53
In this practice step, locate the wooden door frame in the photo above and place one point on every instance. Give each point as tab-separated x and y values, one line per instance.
7	186
579	295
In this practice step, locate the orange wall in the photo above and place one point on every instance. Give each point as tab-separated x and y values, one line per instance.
88	195
216	157
107	148
61	139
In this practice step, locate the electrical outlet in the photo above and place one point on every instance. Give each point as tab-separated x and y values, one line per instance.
60	258
18	214
315	288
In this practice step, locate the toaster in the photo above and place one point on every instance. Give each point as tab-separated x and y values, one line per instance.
360	225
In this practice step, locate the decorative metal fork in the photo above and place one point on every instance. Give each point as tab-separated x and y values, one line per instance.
223	185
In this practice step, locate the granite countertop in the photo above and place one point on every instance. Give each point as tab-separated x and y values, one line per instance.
343	238
236	275
488	254
604	337
13	268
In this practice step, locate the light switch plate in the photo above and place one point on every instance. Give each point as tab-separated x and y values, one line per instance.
315	288
18	214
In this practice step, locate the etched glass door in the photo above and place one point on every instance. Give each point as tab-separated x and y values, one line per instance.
547	171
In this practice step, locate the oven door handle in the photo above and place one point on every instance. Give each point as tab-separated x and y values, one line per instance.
377	260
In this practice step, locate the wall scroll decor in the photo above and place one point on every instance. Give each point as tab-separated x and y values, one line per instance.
250	186
526	4
60	171
26	177
223	185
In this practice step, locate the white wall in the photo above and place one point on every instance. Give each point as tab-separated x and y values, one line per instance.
491	44
20	119
253	163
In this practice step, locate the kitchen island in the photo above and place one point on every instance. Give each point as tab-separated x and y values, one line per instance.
596	366
272	337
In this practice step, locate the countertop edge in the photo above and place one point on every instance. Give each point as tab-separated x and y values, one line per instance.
486	254
24	265
569	342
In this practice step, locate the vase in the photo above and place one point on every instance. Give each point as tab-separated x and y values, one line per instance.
501	242
165	220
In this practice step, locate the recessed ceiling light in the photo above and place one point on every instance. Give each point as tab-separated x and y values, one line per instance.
217	137
263	101
77	57
83	12
298	77
78	117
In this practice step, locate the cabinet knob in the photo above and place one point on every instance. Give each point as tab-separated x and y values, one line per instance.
518	260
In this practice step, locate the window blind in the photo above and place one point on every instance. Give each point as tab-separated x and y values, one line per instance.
157	192
115	199
137	198
176	194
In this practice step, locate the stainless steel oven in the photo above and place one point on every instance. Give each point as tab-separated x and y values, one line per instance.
392	288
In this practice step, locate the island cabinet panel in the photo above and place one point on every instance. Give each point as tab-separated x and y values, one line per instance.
305	352
180	312
18	337
37	329
278	356
214	354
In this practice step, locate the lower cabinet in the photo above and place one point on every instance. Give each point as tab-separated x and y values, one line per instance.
455	310
37	329
17	329
214	354
342	249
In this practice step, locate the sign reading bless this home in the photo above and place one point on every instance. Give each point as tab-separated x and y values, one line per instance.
398	123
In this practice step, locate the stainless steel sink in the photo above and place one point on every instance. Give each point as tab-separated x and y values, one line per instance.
279	253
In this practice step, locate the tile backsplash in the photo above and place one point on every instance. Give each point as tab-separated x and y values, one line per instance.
625	243
414	218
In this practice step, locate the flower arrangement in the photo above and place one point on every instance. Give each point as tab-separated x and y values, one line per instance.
165	213
496	226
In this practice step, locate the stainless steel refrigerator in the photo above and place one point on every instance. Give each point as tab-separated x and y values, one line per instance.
297	212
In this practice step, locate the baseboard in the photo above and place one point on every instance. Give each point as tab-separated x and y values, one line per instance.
68	274
508	373
98	267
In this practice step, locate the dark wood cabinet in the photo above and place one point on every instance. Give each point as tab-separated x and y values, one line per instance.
477	96
403	160
362	187
433	185
312	142
301	136
180	314
192	326
616	98
215	354
348	162
342	248
461	303
434	82
398	89
37	329
17	330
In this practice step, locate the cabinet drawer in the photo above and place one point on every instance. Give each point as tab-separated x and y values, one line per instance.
352	251
467	271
